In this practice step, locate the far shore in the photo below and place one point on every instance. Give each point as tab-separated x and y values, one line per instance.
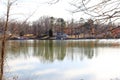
53	38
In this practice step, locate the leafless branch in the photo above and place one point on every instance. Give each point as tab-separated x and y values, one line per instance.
105	9
52	2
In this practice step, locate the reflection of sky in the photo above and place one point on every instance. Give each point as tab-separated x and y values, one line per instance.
56	70
103	67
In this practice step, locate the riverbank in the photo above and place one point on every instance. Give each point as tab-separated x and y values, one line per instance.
54	38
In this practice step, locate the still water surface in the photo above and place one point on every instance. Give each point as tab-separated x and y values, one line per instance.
63	60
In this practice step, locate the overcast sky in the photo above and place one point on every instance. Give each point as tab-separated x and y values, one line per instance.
24	8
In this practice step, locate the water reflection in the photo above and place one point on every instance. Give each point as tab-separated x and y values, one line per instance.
50	50
63	60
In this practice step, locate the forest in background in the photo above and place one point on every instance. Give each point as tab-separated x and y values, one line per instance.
41	27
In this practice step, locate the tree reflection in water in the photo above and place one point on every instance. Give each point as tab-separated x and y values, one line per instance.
51	50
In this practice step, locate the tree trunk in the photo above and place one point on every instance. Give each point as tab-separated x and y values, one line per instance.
2	59
4	41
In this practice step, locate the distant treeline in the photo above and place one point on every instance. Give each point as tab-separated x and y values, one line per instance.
89	27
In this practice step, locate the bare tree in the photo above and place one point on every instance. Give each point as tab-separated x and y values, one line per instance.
107	10
9	4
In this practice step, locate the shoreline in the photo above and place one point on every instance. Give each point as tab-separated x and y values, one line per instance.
63	39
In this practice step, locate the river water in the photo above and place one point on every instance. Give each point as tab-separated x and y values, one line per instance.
63	60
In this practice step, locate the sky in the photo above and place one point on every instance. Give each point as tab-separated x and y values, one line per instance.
22	9
35	9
